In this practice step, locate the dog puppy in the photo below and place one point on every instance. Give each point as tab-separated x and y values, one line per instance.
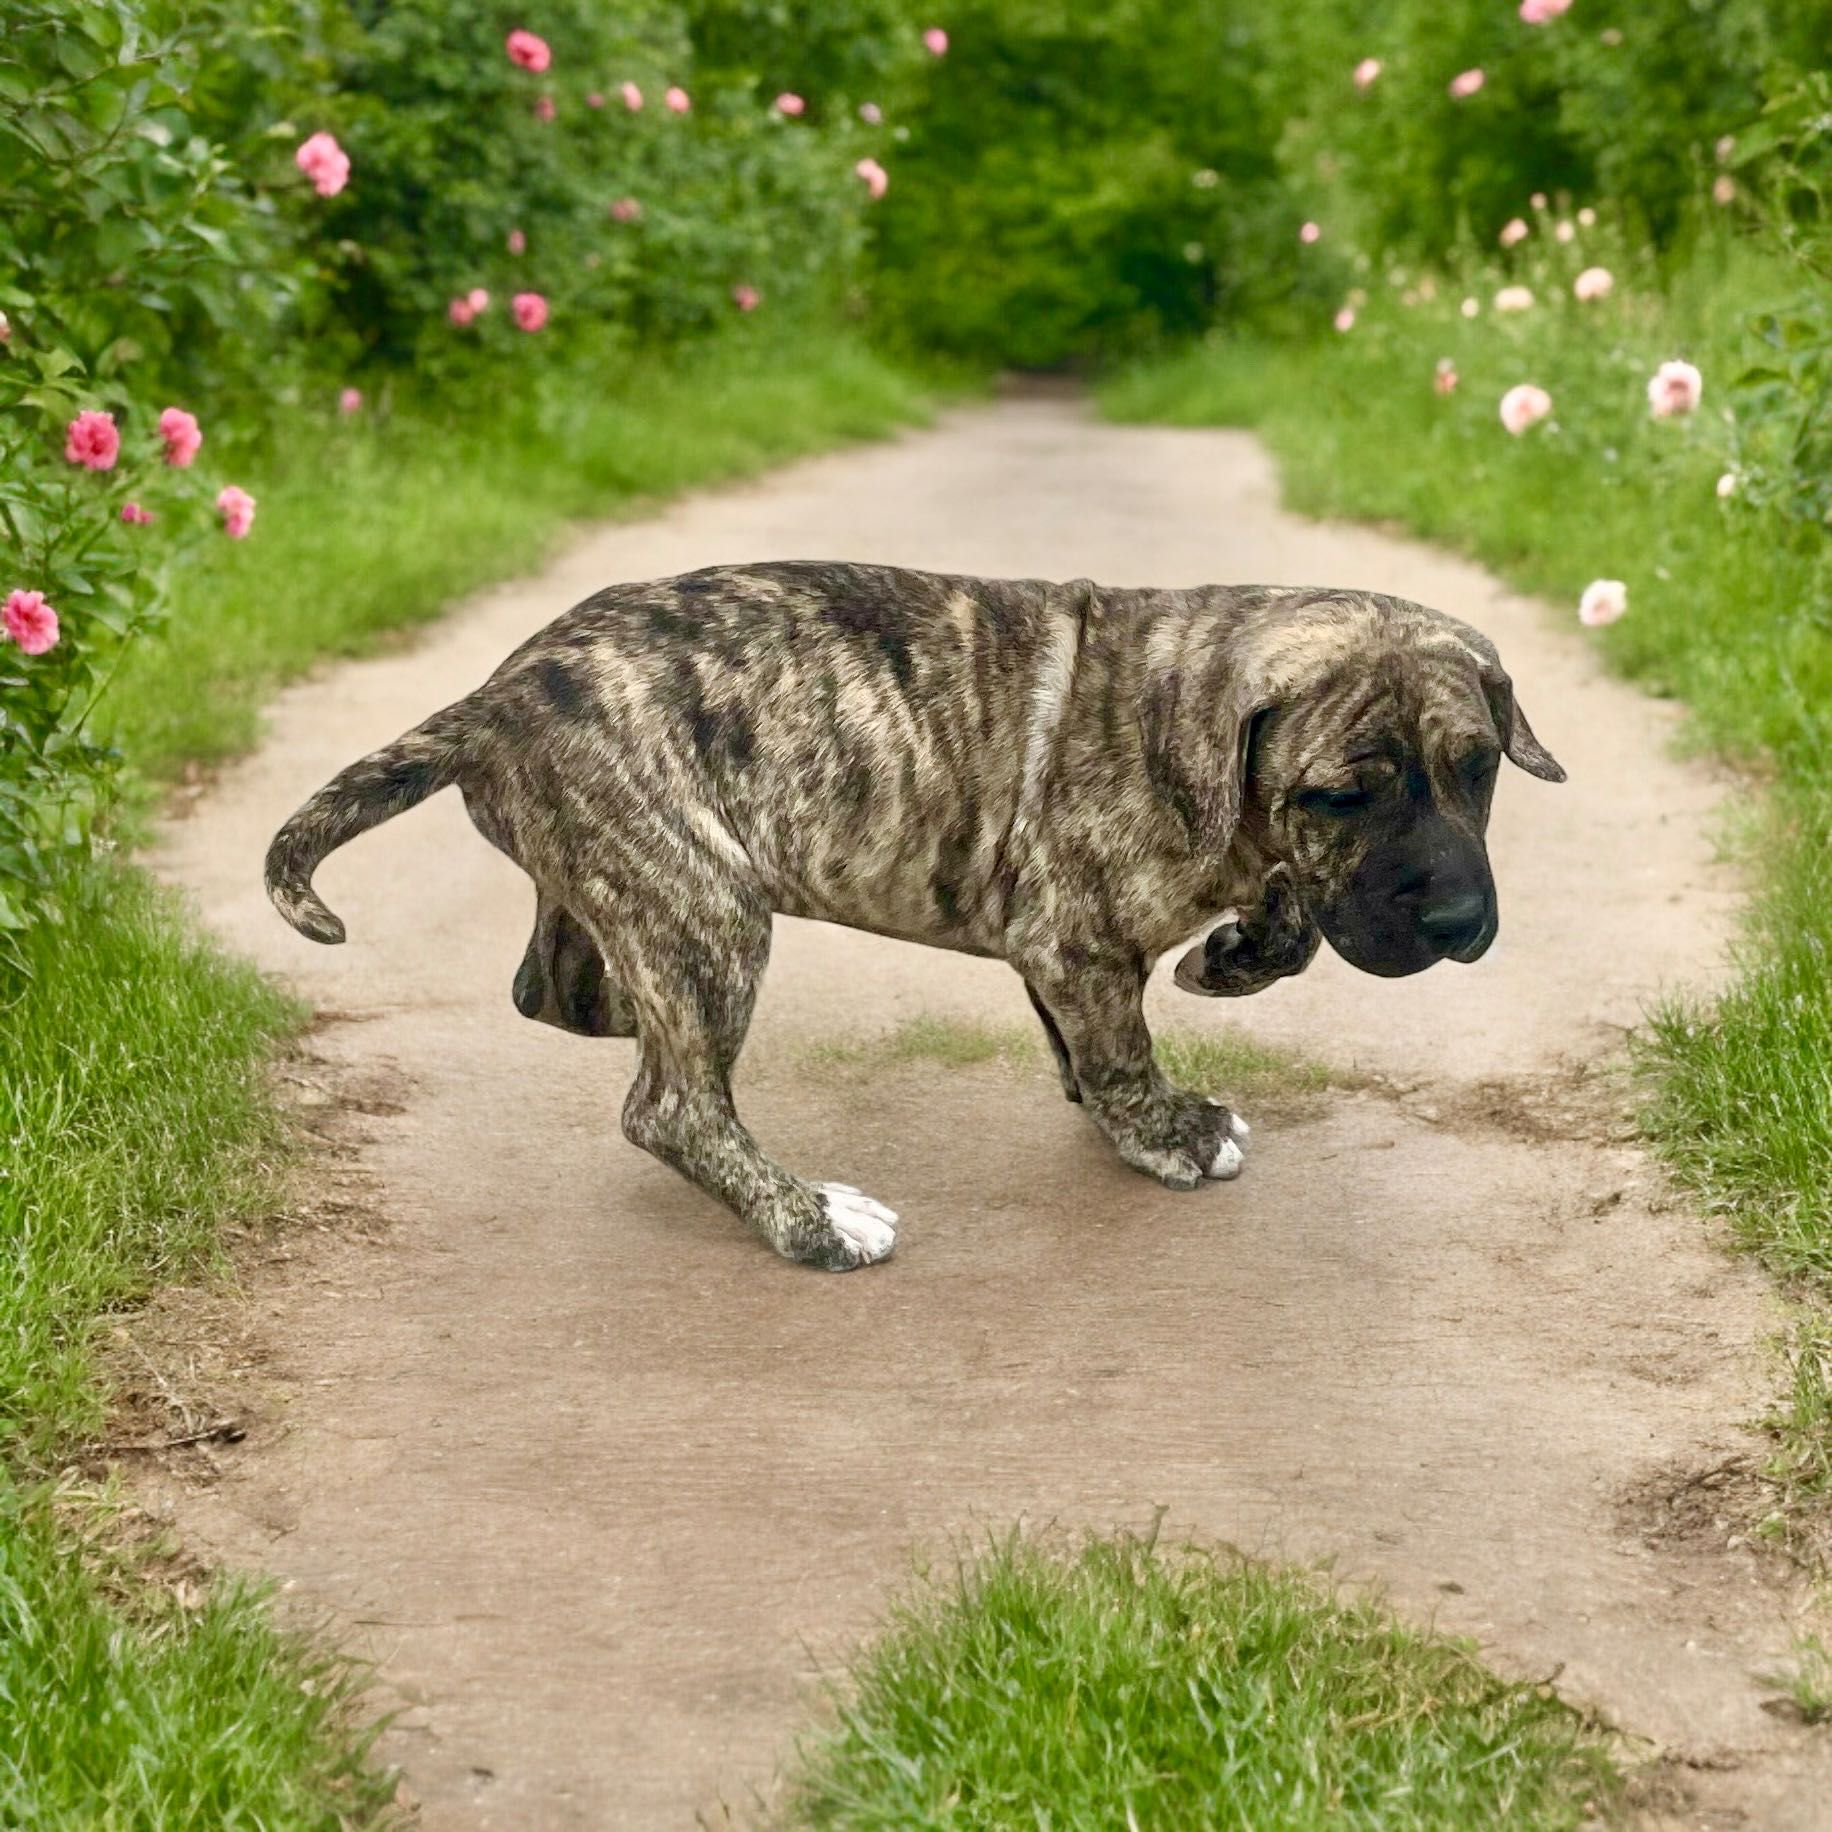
1067	777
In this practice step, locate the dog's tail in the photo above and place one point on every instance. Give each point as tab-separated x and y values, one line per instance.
373	789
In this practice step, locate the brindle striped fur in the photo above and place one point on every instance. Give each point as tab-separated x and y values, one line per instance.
1070	778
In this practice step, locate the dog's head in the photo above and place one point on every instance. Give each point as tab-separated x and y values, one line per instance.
1356	738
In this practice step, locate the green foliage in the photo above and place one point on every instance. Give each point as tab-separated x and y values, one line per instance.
137	1127
1079	181
1114	1684
129	1705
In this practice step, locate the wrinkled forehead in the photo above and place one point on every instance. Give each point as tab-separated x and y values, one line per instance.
1416	694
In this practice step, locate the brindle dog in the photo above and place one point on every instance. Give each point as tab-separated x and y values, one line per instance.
1070	778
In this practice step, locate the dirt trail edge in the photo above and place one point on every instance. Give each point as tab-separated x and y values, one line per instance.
603	1486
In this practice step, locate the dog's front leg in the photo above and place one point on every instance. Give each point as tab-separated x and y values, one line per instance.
1096	1000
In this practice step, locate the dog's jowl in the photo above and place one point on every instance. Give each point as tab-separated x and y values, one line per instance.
1066	777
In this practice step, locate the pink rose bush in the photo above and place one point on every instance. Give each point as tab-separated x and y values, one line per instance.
746	298
1514	232
1674	389
625	210
1523	406
1604	600
1593	283
1345	319
183	437
1444	377
134	516
632	97
1543	12
676	100
1514	299
1367	72
529	51
325	163
350	401
935	41
529	311
93	441
237	507
1310	233
790	104
877	180
30	622
1465	84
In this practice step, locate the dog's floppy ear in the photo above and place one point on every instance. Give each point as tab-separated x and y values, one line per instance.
1196	750
1517	739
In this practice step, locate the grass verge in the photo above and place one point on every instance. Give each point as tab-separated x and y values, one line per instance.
133	1055
1111	1683
1731	612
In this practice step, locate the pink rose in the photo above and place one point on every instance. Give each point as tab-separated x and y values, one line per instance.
1309	233
30	622
595	99
325	163
1674	388
626	210
1514	231
544	109
1604	600
478	300
746	298
871	114
1723	189
935	41
1543	12
182	435
93	441
134	516
676	100
350	401
530	52
530	311
238	511
1366	71
518	243
1444	378
632	97
1593	283
1524	405
1345	319
6	324
461	312
1466	84
790	104
1514	299
877	180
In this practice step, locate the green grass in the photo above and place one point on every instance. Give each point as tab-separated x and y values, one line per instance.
1731	611
368	527
1231	1066
137	1118
125	1704
951	1043
1808	1687
139	1126
1113	1684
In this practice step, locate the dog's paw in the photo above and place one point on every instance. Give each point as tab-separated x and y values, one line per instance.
1230	1155
862	1231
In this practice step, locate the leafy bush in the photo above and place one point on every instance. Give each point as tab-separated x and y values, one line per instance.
1077	182
124	238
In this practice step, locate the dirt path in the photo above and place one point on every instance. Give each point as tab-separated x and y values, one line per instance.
601	1482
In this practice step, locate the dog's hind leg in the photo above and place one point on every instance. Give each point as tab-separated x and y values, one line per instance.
692	981
1065	1066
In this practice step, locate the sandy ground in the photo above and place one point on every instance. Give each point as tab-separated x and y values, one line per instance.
603	1485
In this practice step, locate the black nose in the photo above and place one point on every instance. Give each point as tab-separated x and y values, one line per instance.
1455	922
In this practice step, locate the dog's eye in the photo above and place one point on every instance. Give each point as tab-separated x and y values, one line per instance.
1335	801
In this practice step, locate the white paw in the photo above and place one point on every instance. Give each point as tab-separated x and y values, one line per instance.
867	1229
1227	1162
